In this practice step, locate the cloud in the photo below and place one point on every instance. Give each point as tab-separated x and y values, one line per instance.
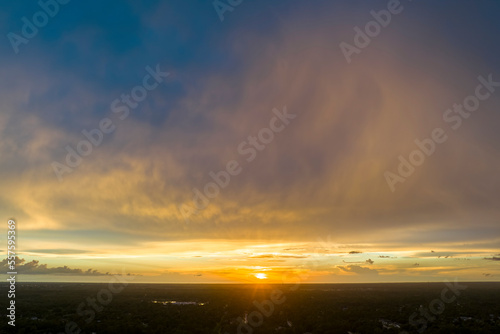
494	258
416	264
446	254
129	189
34	268
369	261
358	270
137	150
57	251
284	256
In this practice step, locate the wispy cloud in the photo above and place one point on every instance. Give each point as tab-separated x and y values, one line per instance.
57	251
284	256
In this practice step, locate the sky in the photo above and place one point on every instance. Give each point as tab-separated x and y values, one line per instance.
203	142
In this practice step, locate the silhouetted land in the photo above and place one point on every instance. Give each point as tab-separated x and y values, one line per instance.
318	308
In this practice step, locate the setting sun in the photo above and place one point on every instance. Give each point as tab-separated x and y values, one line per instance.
261	276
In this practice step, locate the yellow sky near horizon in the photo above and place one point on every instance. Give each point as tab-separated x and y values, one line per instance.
206	261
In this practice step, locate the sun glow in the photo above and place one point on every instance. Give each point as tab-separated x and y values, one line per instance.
261	276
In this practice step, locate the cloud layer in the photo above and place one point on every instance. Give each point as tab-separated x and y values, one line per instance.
323	174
